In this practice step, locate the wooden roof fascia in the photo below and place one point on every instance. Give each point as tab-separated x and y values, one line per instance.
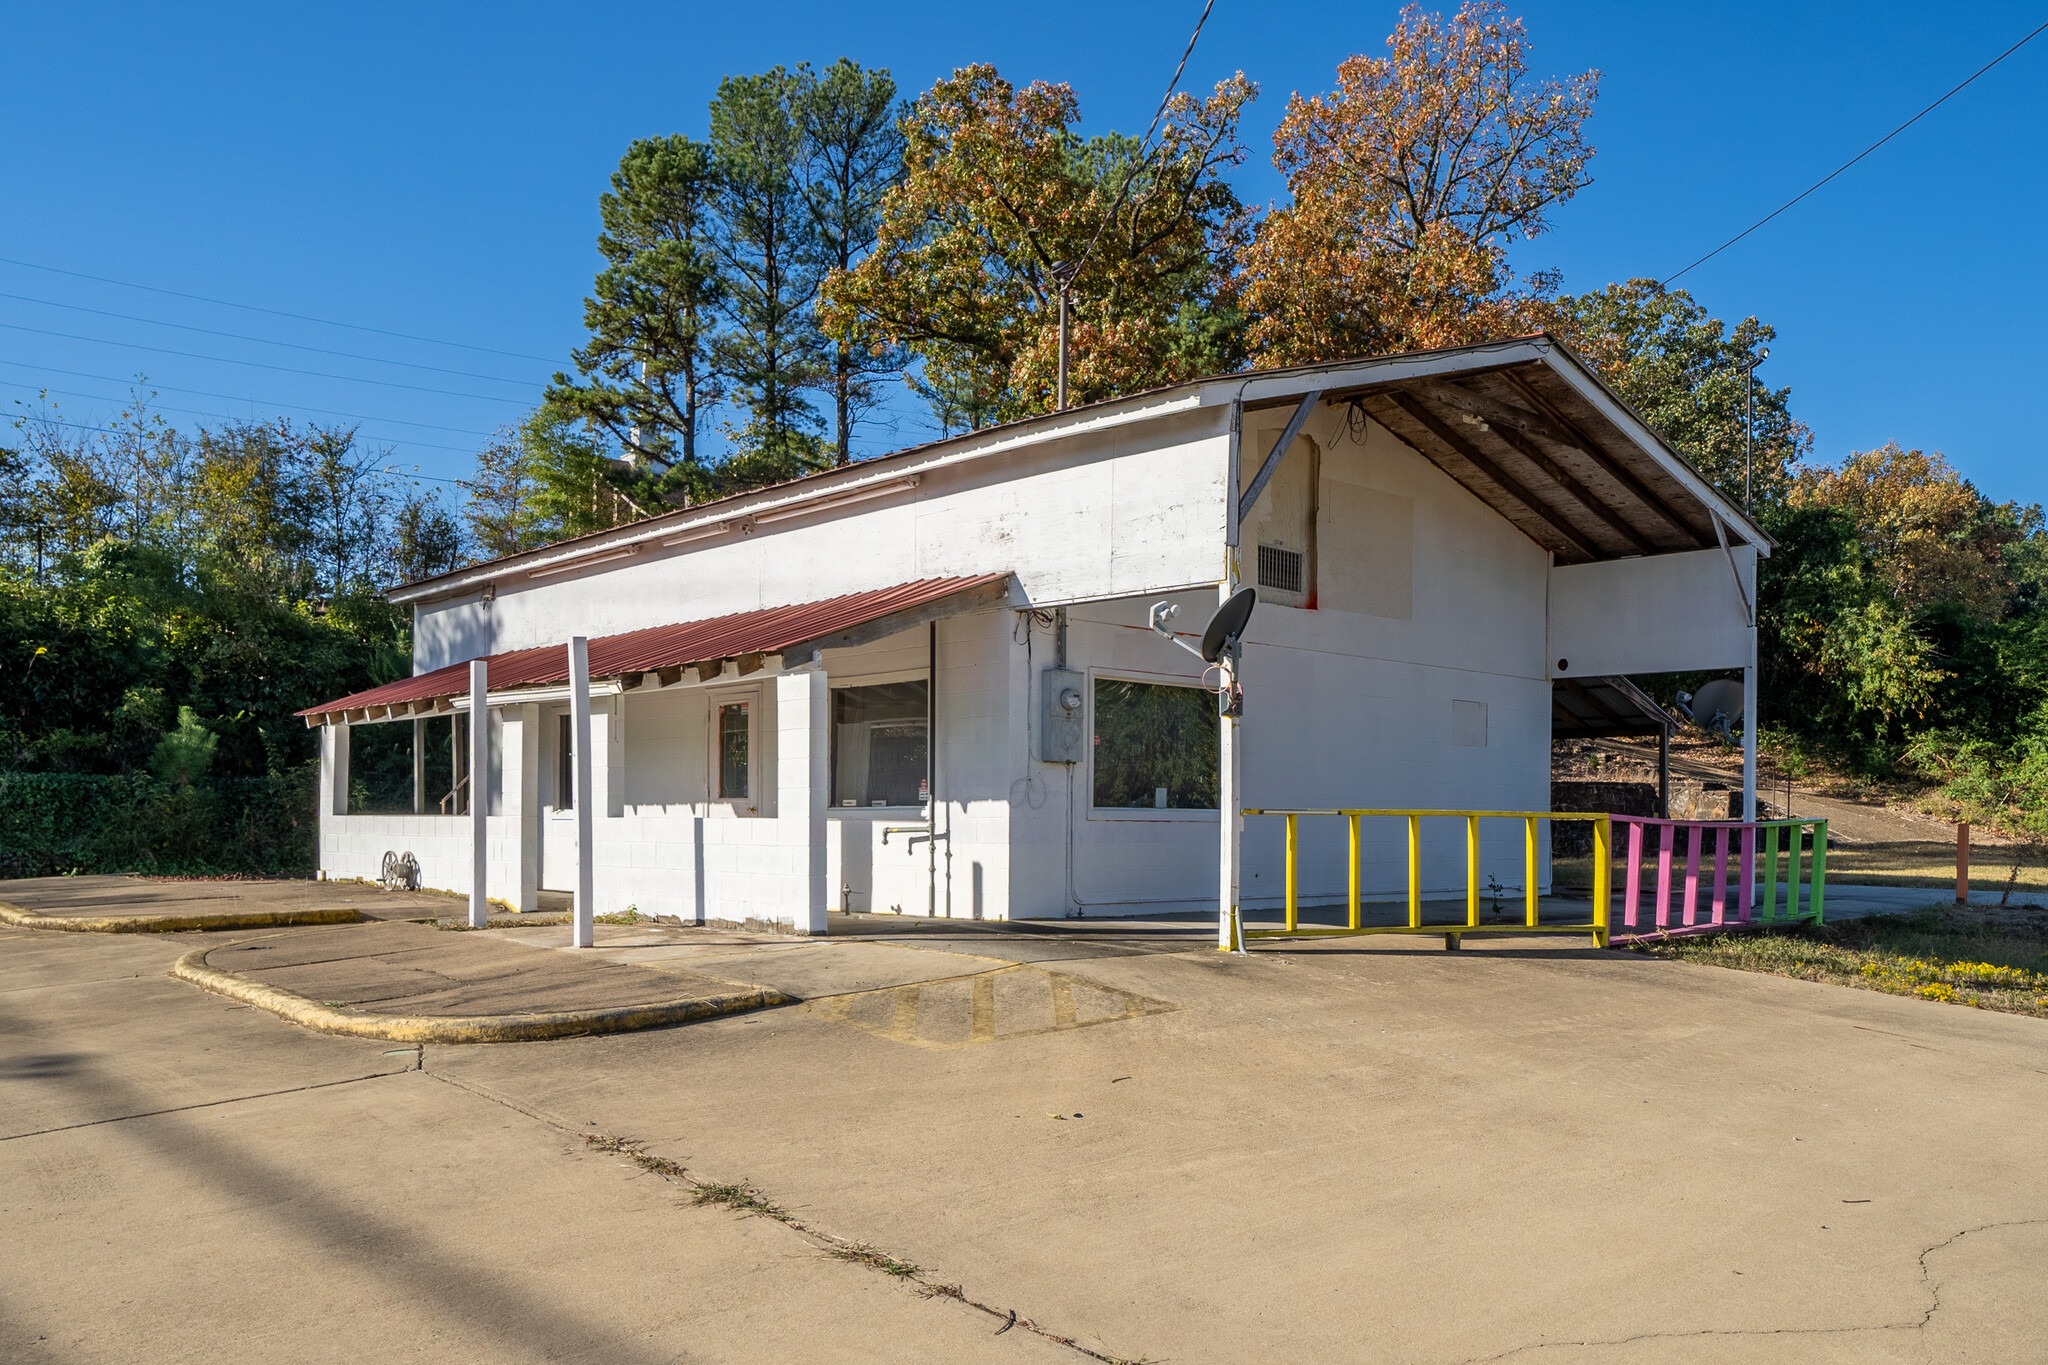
1413	407
1575	438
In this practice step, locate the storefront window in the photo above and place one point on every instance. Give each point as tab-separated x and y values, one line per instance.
1155	746
880	744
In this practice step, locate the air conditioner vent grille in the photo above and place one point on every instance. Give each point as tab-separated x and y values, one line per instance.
1280	570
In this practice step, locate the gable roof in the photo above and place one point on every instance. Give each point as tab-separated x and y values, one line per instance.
1523	424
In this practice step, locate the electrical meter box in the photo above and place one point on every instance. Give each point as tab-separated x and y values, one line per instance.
1062	715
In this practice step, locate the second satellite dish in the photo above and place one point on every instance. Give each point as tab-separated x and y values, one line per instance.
1717	706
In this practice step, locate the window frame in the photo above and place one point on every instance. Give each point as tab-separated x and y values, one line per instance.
565	763
1144	814
714	775
835	684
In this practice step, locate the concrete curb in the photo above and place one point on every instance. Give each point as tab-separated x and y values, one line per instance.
473	1028
173	924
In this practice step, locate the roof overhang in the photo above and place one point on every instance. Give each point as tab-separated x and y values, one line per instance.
1604	708
776	638
1527	428
1523	424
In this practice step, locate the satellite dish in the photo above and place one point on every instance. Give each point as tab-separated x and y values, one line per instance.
1228	624
1717	706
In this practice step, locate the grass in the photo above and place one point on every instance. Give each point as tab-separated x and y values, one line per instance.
1962	958
860	1253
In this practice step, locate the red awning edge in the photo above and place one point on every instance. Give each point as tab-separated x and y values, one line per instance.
666	651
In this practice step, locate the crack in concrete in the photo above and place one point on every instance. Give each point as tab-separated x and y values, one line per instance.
1927	1316
831	1243
208	1104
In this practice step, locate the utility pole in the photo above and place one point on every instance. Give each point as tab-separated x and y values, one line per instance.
1749	420
1063	278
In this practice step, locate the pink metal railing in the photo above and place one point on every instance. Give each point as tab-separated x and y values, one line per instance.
1732	842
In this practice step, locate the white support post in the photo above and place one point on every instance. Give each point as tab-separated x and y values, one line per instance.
585	930
1230	796
1749	728
801	710
479	791
334	769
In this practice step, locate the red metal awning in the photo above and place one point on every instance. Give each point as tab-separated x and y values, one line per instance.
667	650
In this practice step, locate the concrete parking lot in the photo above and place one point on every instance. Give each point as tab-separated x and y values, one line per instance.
1146	1150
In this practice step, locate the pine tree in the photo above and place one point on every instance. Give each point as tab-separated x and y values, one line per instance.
850	121
648	373
767	248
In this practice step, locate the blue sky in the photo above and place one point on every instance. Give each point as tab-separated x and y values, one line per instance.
433	171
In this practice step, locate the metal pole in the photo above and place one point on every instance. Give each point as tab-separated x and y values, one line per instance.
479	789
1749	420
1230	796
584	930
1063	348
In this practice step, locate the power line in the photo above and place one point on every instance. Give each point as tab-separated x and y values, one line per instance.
274	312
154	387
266	341
1859	156
193	412
258	364
1130	172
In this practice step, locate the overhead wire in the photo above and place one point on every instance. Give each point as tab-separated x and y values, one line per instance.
110	431
196	412
260	365
274	312
1859	156
142	381
1131	171
265	341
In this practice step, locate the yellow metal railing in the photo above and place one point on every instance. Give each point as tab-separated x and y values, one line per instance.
1603	851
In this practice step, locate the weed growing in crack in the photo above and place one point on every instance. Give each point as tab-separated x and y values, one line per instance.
860	1253
741	1198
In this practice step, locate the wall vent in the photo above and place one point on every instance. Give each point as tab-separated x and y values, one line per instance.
1280	570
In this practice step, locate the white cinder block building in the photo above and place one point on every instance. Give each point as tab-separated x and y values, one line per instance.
846	692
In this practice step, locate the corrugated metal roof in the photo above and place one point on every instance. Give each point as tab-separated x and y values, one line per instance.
659	647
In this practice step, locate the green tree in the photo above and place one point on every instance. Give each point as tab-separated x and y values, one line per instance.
767	246
849	120
648	373
1686	374
575	483
186	752
499	498
426	539
1001	197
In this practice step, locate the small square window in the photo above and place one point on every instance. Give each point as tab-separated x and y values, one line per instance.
734	735
1155	746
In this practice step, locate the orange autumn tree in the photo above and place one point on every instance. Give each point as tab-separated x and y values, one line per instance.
998	191
1409	183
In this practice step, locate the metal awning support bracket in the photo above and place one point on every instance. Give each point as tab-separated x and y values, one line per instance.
1721	534
1272	464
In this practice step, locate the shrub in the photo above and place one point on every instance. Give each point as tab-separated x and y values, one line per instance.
56	823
